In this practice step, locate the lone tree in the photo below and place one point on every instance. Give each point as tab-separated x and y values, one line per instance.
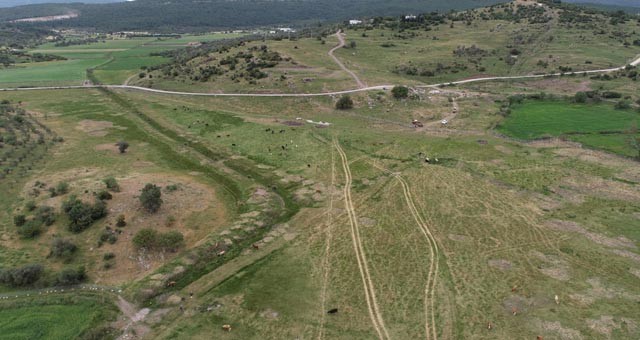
151	197
400	92
122	146
344	103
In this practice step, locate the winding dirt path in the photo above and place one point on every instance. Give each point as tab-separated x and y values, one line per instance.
370	294
340	45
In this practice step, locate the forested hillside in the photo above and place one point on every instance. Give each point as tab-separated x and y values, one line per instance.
190	15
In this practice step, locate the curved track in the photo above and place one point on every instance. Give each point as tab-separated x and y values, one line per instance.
340	45
369	291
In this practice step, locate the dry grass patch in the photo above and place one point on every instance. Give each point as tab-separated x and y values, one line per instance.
97	128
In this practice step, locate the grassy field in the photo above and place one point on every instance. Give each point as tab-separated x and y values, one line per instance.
53	317
597	126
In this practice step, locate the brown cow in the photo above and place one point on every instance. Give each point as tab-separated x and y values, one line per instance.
226	328
171	284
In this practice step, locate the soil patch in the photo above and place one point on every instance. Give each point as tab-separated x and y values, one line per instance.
97	128
561	332
570	226
459	238
552	266
500	264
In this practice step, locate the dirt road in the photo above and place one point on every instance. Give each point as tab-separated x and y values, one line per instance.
340	45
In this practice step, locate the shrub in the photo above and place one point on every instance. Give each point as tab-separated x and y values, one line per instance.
145	238
82	215
62	248
62	188
150	239
19	220
344	103
580	97
112	184
170	241
108	256
151	197
46	215
30	206
623	105
21	276
30	229
120	221
107	236
104	195
70	276
400	92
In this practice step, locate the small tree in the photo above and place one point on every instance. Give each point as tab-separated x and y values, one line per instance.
122	146
344	103
400	92
151	197
352	44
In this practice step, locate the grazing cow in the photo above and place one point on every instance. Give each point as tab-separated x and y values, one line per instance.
514	289
308	165
539	337
333	311
171	284
557	300
226	328
283	147
221	253
514	311
255	246
234	144
489	326
427	160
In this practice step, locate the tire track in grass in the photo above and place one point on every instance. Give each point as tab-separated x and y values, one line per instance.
326	265
434	254
370	295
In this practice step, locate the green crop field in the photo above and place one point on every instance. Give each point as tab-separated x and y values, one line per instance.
54	318
598	126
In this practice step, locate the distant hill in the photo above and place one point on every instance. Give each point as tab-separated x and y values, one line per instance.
193	15
13	3
620	3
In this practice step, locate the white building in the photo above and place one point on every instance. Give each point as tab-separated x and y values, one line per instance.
355	22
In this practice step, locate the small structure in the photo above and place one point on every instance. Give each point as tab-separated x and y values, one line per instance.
417	123
410	17
355	22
